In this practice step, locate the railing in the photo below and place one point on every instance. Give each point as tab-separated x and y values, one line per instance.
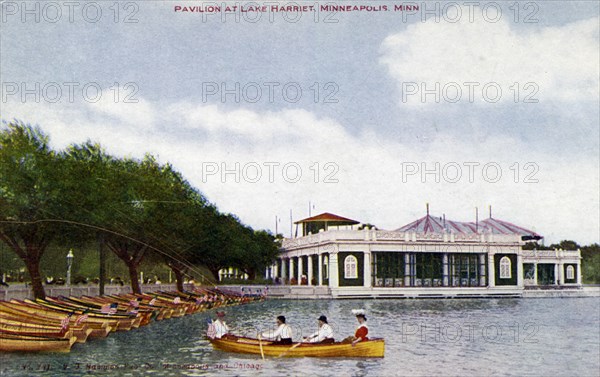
21	292
556	253
386	235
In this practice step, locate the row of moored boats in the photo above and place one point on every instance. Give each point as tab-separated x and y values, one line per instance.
55	324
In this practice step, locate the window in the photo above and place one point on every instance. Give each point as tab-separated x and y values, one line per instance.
570	272
505	270
350	267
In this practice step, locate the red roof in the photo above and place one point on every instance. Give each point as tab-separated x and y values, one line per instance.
328	218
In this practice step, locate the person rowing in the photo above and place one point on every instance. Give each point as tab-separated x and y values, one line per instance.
323	335
282	335
221	328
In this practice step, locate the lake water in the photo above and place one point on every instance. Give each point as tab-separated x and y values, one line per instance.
479	337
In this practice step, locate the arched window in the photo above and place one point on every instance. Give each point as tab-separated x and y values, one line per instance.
505	270
570	272
350	267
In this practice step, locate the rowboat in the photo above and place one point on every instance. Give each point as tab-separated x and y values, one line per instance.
46	332
13	343
370	348
118	322
35	315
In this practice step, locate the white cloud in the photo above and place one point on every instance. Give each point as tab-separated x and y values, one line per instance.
138	113
563	204
562	61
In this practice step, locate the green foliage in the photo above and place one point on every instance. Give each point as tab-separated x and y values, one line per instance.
145	212
590	264
33	183
565	245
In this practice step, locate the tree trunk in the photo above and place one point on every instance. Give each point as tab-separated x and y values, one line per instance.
133	276
33	266
215	272
178	278
31	255
131	261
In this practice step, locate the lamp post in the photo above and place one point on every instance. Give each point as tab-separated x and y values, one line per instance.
69	265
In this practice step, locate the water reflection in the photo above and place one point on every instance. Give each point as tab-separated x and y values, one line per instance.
423	337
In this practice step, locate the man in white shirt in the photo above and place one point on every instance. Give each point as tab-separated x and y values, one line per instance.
323	335
283	333
221	328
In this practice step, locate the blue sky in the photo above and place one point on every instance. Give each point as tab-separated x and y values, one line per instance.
374	127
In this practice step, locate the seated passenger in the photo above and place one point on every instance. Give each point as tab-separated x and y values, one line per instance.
323	335
362	330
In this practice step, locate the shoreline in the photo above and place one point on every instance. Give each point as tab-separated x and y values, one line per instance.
284	292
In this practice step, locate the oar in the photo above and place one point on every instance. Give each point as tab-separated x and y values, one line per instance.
262	354
289	349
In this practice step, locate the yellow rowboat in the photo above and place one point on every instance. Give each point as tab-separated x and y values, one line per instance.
141	318
115	321
22	315
38	310
46	332
369	348
9	343
125	322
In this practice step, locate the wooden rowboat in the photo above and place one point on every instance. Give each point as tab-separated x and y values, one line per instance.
14	314
12	343
369	348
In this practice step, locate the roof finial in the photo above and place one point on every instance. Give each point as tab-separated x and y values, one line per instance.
476	220
490	211
427	206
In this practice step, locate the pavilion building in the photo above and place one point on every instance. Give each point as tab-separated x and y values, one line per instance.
429	257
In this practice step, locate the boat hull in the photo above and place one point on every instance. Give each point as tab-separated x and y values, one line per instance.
34	344
370	348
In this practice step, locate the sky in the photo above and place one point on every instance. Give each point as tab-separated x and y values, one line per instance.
367	113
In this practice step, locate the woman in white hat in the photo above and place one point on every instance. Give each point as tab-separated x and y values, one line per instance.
360	335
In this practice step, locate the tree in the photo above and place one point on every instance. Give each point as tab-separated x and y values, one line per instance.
536	246
175	227
590	263
260	251
32	189
565	245
117	199
133	212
